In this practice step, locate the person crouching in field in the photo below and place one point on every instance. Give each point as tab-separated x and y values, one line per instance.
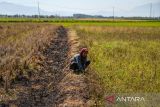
80	62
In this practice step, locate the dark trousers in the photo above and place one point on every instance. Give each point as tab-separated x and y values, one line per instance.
74	66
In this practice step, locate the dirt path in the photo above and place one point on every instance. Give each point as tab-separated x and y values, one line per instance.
72	89
54	85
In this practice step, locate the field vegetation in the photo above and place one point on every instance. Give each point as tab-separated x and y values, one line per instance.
19	46
68	22
125	55
126	59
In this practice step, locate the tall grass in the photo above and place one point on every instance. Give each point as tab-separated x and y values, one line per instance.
19	46
126	59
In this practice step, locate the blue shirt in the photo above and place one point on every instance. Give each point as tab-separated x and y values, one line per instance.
81	62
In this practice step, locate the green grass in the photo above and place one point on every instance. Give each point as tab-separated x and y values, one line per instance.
86	22
108	23
125	58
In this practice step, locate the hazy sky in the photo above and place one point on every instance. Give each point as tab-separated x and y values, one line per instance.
80	5
87	6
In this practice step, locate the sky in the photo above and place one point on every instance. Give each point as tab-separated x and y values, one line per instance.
81	6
